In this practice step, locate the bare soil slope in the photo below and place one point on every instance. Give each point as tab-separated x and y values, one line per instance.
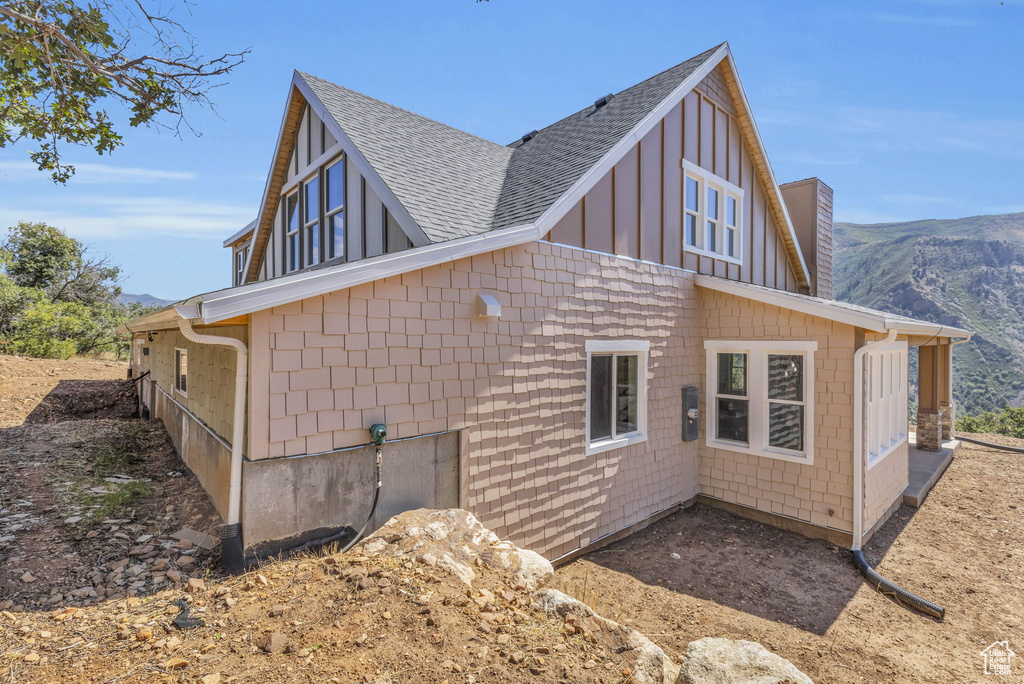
803	599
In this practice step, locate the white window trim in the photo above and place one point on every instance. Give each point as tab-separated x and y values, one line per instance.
305	223
725	189
887	369
642	349
757	396
177	377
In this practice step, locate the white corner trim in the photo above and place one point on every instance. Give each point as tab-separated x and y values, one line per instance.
618	345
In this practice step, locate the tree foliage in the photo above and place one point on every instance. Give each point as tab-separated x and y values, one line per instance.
1009	422
61	60
57	300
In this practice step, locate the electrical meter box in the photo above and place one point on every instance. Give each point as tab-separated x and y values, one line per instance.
691	414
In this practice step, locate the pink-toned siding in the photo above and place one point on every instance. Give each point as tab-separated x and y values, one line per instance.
884	482
410	351
800	491
635	209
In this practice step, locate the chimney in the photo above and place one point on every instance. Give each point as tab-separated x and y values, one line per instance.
809	203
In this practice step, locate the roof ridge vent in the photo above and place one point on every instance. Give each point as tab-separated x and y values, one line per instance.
529	136
601	102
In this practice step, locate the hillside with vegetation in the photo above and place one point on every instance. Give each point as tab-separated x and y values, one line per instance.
967	273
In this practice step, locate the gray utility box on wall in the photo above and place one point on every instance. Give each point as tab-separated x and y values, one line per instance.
691	414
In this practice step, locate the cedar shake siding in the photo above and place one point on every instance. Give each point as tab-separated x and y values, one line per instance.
411	352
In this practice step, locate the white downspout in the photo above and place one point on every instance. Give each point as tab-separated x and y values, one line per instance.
858	436
238	427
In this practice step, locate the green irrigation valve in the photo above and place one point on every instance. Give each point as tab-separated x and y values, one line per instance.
378	433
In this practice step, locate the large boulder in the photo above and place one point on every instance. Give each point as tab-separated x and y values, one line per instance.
652	665
724	661
455	541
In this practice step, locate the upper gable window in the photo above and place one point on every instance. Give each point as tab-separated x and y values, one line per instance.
241	258
713	214
334	209
313	217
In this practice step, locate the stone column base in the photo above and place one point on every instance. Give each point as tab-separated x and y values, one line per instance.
929	430
948	410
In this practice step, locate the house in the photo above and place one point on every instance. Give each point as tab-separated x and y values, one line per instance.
616	315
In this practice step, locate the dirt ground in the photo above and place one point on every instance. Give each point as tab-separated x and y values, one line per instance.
85	487
803	598
333	618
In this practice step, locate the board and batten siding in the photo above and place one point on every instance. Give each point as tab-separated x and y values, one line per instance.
211	374
636	209
369	226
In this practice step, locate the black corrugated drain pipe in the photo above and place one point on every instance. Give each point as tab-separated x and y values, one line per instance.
899	593
990	445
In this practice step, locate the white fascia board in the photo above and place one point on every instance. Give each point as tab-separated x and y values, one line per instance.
877	322
771	173
373	179
249	228
588	180
237	301
163	319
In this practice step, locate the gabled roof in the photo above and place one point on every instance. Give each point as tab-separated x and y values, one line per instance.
447	179
544	167
242	233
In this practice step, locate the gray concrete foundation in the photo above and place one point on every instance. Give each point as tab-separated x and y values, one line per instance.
284	499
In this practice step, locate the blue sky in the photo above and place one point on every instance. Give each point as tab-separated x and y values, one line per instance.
909	109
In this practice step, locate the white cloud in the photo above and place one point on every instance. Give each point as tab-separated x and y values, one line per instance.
864	129
952	22
134	218
92	174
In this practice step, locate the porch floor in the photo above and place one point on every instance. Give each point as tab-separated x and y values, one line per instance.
926	467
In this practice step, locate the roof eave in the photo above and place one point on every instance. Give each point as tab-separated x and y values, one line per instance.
876	322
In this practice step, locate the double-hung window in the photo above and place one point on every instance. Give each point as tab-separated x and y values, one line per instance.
334	209
293	255
760	398
712	214
181	371
616	393
311	221
885	400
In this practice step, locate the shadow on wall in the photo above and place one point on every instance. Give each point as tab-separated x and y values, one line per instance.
745	565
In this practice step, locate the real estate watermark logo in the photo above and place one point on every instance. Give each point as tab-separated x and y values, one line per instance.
997	658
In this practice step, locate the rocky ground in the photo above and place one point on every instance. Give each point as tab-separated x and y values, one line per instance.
466	607
88	505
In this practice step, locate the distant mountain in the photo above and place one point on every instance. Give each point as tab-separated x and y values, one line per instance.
144	299
964	272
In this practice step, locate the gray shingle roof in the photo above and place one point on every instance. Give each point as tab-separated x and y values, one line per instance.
448	180
455	184
543	168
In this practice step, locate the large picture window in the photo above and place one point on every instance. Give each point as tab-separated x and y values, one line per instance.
616	393
760	398
712	214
